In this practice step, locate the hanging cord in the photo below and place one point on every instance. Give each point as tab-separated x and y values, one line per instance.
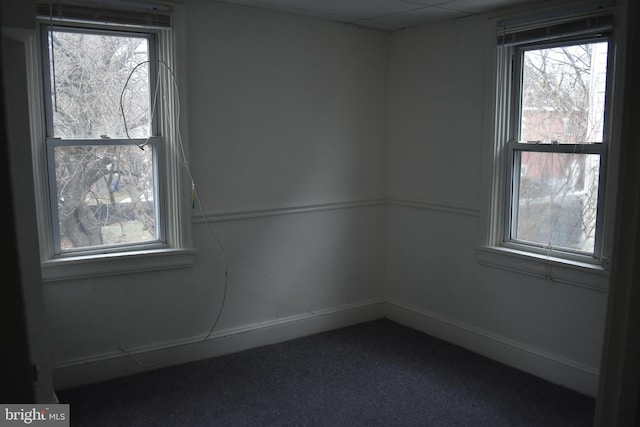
556	220
155	98
194	197
573	166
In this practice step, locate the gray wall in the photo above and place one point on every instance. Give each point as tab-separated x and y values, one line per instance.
342	168
439	139
287	141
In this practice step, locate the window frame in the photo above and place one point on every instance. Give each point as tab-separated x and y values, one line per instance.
155	140
494	250
173	248
515	147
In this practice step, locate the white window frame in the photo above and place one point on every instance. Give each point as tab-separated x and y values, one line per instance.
173	248
515	147
497	249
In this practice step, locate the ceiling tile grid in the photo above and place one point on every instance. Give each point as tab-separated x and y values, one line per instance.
386	15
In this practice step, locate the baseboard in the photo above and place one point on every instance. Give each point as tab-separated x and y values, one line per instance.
554	368
116	364
551	367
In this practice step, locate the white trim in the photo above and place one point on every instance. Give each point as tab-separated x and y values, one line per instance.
81	267
552	367
171	182
298	209
38	147
100	367
285	210
92	265
435	207
492	250
558	270
587	275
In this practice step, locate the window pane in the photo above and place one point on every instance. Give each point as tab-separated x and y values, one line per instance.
563	94
557	200
105	195
88	75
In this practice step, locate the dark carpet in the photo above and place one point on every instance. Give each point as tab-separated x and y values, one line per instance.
373	374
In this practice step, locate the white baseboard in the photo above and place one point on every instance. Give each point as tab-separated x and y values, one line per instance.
551	367
116	364
554	368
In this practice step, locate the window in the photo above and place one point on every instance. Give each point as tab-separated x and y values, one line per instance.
106	133
102	150
553	137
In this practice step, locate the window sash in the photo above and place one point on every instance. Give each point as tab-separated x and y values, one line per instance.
46	71
517	75
160	213
513	148
514	151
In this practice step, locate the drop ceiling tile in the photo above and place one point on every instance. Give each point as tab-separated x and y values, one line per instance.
420	16
475	6
373	25
386	15
426	2
354	9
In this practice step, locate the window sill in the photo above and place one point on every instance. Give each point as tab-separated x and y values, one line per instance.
557	270
80	267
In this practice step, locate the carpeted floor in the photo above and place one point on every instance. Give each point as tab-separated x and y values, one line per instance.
373	374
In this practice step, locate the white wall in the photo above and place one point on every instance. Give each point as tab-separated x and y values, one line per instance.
437	143
285	110
299	130
287	140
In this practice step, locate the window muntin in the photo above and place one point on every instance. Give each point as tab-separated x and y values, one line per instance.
557	150
104	181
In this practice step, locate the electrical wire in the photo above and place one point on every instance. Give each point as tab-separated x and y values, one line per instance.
194	195
154	103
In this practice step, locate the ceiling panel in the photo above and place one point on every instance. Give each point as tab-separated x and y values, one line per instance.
476	6
415	17
355	9
386	15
